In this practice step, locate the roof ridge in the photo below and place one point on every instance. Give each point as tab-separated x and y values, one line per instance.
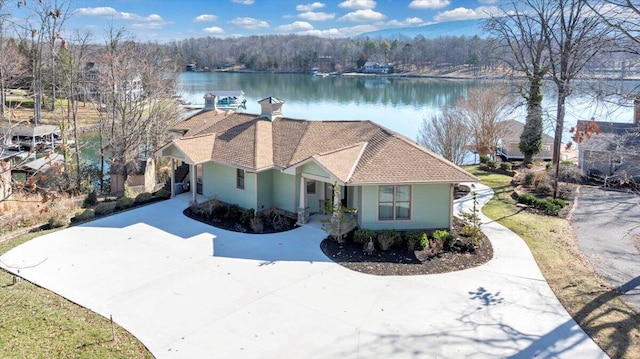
341	148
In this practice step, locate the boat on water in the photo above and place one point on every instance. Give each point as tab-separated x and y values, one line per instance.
228	100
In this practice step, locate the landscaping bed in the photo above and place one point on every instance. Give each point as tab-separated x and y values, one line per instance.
232	217
402	261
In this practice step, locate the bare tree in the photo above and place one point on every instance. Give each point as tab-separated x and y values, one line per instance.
135	85
574	36
520	32
447	134
482	110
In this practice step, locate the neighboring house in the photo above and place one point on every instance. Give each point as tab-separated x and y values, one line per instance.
508	149
616	149
375	67
263	161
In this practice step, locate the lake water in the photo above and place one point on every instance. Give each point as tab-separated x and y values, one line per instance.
399	104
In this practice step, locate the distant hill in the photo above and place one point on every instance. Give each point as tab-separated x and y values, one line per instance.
467	28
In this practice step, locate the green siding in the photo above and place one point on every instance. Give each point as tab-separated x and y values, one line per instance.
313	169
265	190
430	208
220	183
172	151
284	191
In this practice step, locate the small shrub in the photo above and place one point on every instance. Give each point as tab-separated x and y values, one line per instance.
551	208
416	240
528	178
234	212
85	214
527	199
491	164
90	200
163	193
58	219
238	227
473	233
566	163
570	173
435	246
218	211
549	165
246	215
256	224
445	237
386	239
565	192
105	208
362	235
124	203
484	158
506	166
143	197
544	186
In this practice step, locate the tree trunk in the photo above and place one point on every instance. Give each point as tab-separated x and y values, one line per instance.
557	141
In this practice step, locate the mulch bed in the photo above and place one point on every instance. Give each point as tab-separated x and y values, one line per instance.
233	225
403	262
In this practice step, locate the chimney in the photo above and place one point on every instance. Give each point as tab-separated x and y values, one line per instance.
636	111
271	108
210	102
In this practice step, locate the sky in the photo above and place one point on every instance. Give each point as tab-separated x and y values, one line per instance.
168	20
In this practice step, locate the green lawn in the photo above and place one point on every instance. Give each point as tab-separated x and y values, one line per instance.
599	311
36	323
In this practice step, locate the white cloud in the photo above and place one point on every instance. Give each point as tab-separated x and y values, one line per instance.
429	4
214	30
341	32
243	2
317	16
296	26
358	4
205	18
462	13
249	23
363	16
410	21
153	21
310	7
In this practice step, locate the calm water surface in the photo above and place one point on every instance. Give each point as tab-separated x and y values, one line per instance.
399	104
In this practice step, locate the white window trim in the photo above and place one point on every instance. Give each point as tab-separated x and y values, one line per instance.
411	202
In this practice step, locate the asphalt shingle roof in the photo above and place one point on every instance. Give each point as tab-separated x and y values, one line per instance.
354	151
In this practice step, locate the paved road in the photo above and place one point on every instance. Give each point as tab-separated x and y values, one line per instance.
608	229
278	296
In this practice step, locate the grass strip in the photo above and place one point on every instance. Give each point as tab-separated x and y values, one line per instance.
37	323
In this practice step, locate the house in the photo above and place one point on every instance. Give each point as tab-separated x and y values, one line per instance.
614	151
507	147
371	67
268	160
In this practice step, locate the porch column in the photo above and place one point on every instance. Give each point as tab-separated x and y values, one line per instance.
303	211
192	185
323	197
173	177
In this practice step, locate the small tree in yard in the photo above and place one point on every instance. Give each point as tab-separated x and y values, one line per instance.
471	230
446	134
340	220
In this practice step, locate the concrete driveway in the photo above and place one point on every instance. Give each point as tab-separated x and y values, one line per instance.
278	296
607	224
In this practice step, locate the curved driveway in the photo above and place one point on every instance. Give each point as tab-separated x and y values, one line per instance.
278	296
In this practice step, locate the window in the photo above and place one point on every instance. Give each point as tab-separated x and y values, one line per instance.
240	178
311	186
394	203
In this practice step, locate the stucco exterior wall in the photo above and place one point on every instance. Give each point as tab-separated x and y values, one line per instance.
265	190
430	208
